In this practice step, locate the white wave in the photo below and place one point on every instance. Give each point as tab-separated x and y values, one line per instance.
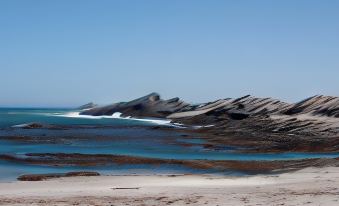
116	115
205	126
20	125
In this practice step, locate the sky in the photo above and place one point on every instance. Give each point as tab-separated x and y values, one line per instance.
70	52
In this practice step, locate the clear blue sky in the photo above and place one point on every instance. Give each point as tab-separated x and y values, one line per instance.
68	52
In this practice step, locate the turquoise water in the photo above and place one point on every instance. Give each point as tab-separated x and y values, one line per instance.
10	171
116	136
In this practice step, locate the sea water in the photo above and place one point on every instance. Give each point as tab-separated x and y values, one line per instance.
109	135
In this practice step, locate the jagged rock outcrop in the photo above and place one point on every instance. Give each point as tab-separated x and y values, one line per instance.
148	106
235	108
325	106
318	115
316	105
314	116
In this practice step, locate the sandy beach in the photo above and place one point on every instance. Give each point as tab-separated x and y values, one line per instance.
310	186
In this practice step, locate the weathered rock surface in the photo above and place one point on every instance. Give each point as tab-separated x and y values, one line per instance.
315	116
317	105
247	104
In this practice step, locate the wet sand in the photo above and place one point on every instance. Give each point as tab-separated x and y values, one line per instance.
310	186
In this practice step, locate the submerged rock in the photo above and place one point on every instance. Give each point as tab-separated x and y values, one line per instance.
41	177
249	167
32	125
35	125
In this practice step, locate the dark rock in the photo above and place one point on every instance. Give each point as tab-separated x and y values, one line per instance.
32	125
41	177
251	167
35	125
238	115
267	115
148	106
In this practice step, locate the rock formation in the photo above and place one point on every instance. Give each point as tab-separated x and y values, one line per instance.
148	106
318	115
316	105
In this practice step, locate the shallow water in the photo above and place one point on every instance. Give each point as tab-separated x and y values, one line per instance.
108	135
10	171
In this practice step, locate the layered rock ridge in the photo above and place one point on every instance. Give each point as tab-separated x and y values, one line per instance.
317	115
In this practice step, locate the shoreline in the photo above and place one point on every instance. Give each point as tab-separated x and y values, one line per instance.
309	186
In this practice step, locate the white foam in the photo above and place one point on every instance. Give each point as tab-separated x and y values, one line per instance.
206	126
20	125
116	115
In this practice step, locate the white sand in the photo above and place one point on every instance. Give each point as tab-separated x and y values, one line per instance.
311	186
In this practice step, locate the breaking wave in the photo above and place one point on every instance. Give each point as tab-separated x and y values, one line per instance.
116	115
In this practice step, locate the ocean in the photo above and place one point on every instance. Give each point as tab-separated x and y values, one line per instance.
114	135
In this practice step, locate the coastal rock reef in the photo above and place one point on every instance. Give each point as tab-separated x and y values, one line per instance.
309	125
319	113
